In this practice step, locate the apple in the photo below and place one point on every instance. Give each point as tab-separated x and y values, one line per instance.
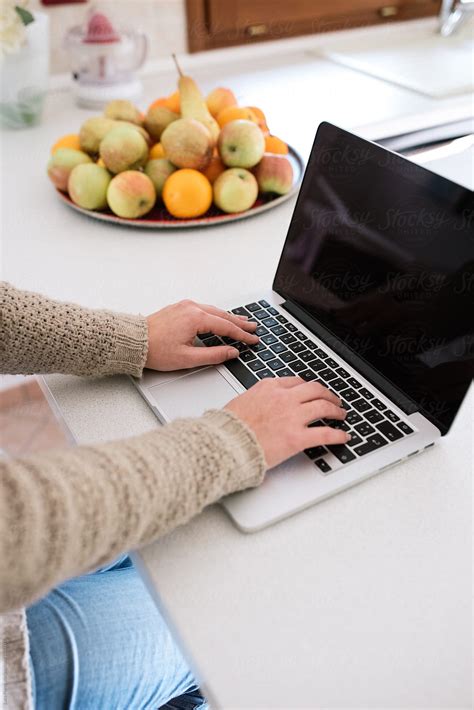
241	144
235	190
122	110
131	194
158	170
123	148
187	143
274	173
87	186
61	164
157	119
93	131
220	99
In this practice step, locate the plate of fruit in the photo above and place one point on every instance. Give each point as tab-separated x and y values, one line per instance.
188	161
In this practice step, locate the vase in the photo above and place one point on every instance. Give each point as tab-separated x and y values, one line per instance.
25	77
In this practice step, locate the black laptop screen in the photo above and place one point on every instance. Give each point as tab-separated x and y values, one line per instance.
380	252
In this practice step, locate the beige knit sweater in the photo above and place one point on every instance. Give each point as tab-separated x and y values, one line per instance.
67	512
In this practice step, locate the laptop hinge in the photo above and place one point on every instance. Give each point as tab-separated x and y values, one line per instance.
358	363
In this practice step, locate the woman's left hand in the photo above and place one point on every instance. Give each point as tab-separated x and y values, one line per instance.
172	330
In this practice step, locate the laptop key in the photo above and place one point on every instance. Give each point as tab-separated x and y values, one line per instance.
257	348
331	363
269	322
214	340
288	356
352	417
338	384
300	335
320	353
316	364
297	347
269	339
266	355
252	307
279	330
349	395
342	453
364	392
278	348
372	444
264	303
390	431
260	314
265	374
307	375
292	328
247	356
273	311
355	439
361	405
256	365
342	373
364	428
285	372
275	364
306	355
241	373
282	319
353	382
315	452
323	465
373	416
405	428
288	338
327	374
261	330
297	366
392	416
241	311
378	405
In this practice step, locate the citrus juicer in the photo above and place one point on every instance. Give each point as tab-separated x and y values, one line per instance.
104	60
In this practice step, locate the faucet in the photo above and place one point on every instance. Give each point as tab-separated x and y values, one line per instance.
452	14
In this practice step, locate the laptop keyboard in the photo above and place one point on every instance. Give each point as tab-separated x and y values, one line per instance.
285	351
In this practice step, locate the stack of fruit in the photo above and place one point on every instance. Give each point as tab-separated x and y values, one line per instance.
186	152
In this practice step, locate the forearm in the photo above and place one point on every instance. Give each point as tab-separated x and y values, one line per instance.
65	513
40	335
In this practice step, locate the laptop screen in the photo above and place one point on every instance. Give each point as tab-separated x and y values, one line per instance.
380	252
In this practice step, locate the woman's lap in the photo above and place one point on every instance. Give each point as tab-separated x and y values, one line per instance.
98	641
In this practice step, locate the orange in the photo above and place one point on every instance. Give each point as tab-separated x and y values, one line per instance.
173	102
261	118
71	140
233	113
101	163
158	102
156	152
275	145
187	193
214	169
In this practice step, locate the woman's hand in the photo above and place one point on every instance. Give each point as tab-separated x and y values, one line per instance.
172	330
279	410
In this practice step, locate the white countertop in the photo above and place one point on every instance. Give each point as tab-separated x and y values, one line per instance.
362	601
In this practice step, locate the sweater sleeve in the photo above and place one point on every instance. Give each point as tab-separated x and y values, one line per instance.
41	335
68	512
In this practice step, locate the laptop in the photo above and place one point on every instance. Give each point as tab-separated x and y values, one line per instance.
374	297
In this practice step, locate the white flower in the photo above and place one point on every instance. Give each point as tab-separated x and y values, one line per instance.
12	29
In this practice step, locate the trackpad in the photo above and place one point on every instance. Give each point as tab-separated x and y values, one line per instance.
191	395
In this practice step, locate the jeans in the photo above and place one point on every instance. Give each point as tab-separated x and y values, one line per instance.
99	642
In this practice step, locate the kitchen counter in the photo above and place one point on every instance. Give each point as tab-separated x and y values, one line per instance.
371	585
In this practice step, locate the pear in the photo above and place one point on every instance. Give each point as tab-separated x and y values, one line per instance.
193	104
121	110
93	131
157	119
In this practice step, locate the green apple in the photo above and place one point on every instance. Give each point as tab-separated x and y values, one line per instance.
123	148
88	185
241	144
131	194
274	174
62	163
158	170
93	131
235	190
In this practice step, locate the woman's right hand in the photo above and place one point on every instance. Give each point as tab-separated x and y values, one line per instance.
279	410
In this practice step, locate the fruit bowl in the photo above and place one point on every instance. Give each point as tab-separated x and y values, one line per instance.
160	218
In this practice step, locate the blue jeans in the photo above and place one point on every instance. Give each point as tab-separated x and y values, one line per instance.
99	641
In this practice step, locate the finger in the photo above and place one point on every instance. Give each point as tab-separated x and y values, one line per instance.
196	356
321	409
224	327
315	436
310	391
241	321
289	382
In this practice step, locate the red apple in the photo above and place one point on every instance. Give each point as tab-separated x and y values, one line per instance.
274	173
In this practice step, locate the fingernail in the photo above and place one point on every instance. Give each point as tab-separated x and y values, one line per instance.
232	353
244	317
348	437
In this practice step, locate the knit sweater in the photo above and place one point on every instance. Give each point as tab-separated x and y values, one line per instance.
67	512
